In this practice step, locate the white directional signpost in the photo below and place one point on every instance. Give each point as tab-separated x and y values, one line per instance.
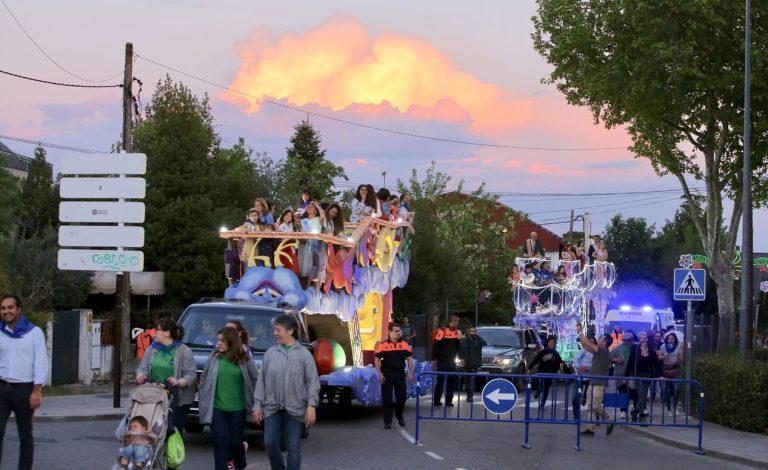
499	396
93	235
689	284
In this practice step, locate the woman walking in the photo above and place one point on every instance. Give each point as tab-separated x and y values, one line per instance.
287	393
226	397
671	355
170	363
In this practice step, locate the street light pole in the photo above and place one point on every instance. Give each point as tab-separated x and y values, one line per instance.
747	271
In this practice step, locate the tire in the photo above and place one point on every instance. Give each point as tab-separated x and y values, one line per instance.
194	428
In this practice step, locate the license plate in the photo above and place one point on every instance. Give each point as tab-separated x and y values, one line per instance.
483	372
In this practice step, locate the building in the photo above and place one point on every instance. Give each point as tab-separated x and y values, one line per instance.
17	165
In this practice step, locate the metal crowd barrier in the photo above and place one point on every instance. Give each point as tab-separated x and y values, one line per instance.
563	402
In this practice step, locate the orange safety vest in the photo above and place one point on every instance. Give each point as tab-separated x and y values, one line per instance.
385	346
445	332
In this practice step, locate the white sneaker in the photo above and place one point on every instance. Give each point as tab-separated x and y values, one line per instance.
623	416
669	412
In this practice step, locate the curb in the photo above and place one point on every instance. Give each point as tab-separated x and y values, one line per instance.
708	452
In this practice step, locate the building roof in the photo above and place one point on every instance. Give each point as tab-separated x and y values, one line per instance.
12	160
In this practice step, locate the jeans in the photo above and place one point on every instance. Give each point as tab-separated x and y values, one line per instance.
15	397
440	383
179	417
276	426
670	395
134	453
470	383
575	403
228	428
393	382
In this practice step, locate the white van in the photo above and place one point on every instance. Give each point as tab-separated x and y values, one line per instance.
640	318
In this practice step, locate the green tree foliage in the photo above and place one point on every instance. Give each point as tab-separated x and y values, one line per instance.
672	73
32	274
10	203
193	188
39	197
458	248
306	166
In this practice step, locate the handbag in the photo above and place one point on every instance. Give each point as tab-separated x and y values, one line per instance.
671	372
175	452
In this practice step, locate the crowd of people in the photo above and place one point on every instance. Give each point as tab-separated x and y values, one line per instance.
313	216
232	390
537	271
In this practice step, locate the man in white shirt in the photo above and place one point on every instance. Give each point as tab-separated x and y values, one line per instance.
23	371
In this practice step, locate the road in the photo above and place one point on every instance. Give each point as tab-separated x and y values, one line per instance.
359	441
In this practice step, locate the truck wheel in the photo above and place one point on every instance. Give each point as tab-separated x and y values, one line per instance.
194	428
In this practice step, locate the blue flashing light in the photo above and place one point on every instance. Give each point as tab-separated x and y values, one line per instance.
625	308
647	308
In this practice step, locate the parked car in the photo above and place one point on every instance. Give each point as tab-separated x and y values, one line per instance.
509	350
202	320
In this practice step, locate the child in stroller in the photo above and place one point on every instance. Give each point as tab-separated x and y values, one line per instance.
138	442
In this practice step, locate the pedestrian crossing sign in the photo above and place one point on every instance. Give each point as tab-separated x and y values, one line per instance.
690	284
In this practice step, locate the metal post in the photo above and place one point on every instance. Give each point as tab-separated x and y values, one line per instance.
747	270
688	341
477	301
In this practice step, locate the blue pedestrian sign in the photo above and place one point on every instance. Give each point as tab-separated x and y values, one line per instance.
499	396
690	284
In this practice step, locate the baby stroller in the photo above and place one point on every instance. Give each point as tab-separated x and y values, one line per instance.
150	401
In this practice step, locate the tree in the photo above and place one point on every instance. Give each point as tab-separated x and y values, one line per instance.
307	168
10	202
39	197
672	73
630	247
193	188
459	246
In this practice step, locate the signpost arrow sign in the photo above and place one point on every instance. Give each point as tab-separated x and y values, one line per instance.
499	396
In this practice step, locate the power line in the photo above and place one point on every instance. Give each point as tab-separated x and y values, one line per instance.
29	36
50	145
73	85
376	128
656	198
558	220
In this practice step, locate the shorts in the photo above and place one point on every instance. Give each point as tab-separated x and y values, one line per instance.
134	453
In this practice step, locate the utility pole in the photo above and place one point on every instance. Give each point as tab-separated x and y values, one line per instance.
121	343
570	229
384	174
747	270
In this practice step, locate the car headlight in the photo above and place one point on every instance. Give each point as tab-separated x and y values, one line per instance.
504	362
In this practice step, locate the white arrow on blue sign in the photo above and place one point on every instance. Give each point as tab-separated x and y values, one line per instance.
499	396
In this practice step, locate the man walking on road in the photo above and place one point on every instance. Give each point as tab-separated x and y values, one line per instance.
601	364
445	348
391	356
471	353
23	371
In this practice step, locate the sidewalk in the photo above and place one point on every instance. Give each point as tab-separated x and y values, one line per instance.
82	407
718	441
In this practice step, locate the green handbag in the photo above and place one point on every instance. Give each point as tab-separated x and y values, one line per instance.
175	451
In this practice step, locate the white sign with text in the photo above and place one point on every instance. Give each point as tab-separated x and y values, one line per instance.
101	260
101	212
103	188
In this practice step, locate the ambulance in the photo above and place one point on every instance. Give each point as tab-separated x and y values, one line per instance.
640	318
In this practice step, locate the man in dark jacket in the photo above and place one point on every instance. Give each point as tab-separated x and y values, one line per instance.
445	349
549	362
471	354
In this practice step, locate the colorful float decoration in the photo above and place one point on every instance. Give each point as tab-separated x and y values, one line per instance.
556	308
347	307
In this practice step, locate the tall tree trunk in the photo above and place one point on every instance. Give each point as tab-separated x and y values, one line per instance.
721	273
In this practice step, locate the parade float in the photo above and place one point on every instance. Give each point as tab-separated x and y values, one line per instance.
556	308
346	307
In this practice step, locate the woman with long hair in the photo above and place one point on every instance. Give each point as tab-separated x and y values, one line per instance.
171	363
643	362
363	204
242	332
313	254
266	219
287	222
226	397
671	355
334	220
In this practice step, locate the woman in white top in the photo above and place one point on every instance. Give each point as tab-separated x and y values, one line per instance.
312	252
287	222
671	355
363	204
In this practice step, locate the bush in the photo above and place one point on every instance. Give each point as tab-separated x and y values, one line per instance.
735	392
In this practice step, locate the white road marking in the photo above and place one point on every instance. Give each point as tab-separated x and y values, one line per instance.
434	455
408	437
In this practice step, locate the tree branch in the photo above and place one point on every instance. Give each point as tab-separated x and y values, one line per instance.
694	209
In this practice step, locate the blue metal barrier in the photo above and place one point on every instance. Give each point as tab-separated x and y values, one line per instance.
617	402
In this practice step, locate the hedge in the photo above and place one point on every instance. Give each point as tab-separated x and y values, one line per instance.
735	392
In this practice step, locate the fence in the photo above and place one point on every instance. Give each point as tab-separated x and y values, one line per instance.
606	405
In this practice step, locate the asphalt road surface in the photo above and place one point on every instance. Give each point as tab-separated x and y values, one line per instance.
359	441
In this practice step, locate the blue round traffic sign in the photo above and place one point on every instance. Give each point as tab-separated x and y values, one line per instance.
499	396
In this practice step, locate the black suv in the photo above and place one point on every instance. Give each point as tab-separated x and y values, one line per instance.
202	320
509	349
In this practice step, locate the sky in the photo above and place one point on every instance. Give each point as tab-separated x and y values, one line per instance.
455	70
